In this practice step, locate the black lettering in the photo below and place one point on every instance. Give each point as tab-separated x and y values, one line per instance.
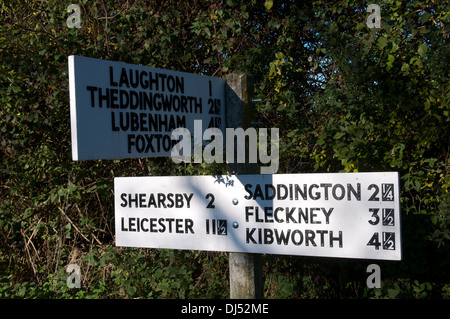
276	215
179	226
134	121
166	143
338	239
189	223
356	193
326	186
303	215
170	83
317	194
309	237
114	98
283	238
153	225
258	192
142	224
178	201
198	105
92	89
248	190
167	102
134	100
111	77
163	77
161	200
124	122
152	201
142	200
170	200
211	109
147	101
301	192
327	214
179	82
249	236
140	143
312	215
176	103
322	233
144	83
131	141
134	80
268	216
123	99
161	223
143	122
149	139
122	225
114	128
211	123
217	106
124	78
247	212
272	188
123	196
183	105
133	200
289	215
300	241
153	81
279	196
341	196
268	236
131	224
103	97
170	221
257	219
188	199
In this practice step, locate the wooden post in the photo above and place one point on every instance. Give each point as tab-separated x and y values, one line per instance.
246	280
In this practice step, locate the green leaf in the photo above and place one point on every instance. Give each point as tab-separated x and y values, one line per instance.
390	62
14	89
338	135
268	5
382	42
405	67
422	50
392	293
280	55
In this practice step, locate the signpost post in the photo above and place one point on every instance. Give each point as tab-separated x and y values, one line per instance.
246	279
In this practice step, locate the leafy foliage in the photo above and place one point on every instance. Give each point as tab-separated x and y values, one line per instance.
345	97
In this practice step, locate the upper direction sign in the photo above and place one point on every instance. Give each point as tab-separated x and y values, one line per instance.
349	215
120	110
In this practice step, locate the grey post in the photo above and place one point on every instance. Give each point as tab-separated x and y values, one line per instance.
246	280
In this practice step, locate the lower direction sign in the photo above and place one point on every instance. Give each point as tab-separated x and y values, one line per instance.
349	215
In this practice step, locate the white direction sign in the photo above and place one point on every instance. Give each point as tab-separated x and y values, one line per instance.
350	215
120	110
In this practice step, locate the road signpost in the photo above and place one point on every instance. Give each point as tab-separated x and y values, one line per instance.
344	215
121	110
